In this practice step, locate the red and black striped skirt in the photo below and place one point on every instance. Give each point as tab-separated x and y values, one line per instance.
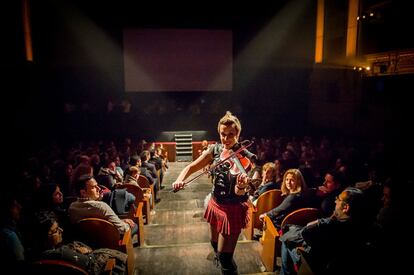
228	219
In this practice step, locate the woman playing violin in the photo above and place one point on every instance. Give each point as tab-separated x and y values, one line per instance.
227	209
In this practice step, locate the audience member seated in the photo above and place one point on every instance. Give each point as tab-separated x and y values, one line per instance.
164	156
279	171
391	236
118	166
329	243
145	157
120	200
62	174
109	176
106	177
90	206
255	170
294	188
268	180
49	197
388	216
12	252
49	245
157	161
132	179
132	176
136	161
115	171
325	194
83	168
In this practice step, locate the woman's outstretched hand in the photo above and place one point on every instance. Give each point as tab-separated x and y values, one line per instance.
178	185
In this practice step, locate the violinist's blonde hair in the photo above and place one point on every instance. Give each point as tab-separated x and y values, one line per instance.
230	120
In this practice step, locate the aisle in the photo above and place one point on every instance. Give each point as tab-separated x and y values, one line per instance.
177	240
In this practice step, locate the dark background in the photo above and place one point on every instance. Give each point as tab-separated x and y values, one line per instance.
277	89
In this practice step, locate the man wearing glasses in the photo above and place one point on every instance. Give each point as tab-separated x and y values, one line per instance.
326	240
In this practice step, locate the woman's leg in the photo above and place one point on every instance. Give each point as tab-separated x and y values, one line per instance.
226	247
214	243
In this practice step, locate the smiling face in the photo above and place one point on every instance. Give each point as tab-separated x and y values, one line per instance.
229	135
229	129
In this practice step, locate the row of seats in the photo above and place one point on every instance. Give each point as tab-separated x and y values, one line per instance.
99	233
270	238
61	267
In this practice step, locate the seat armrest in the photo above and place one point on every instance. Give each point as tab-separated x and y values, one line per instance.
109	266
269	227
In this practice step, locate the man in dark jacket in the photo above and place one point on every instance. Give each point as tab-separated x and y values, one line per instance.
328	241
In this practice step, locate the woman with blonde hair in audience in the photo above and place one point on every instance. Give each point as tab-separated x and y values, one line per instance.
268	180
296	196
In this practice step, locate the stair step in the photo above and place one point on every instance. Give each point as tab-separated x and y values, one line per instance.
195	258
183	139
183	135
189	204
180	144
184	158
160	234
184	148
177	217
184	152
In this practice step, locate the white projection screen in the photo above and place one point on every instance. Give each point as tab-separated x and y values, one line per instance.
161	60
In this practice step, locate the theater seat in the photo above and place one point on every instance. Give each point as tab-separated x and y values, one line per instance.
99	233
61	267
265	202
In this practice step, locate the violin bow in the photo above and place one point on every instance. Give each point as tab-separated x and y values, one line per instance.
232	155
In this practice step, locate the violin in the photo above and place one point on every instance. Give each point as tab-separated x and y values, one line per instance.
226	161
238	162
